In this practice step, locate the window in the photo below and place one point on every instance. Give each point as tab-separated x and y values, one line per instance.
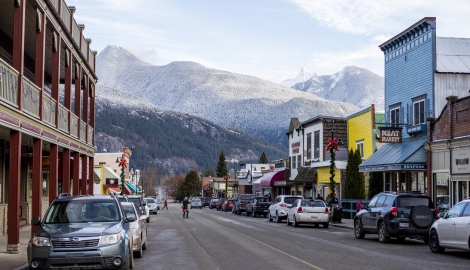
299	161
389	201
360	147
373	202
293	162
418	112
316	145
380	201
309	146
466	212
395	115
456	210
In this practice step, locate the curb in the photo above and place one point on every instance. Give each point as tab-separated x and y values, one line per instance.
340	225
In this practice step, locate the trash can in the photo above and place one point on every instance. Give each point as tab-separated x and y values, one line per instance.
337	213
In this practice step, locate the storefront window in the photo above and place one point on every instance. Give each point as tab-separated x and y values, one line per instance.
442	199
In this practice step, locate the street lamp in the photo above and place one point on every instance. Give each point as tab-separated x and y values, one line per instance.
226	179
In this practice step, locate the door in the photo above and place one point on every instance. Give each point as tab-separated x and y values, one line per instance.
366	216
462	228
446	227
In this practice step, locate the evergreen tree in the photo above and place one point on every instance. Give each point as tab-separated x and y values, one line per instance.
209	172
354	186
222	166
376	184
191	184
263	159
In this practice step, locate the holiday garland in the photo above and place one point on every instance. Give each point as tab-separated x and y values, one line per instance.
332	147
123	165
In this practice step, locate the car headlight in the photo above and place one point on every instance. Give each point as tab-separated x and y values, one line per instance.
41	241
110	239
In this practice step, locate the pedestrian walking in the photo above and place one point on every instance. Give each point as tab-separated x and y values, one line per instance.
358	205
319	197
165	204
226	205
185	207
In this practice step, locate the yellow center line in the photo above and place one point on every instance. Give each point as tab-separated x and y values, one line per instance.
271	247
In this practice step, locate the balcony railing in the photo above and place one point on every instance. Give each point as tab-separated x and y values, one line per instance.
31	95
63	118
74	125
90	135
91	61
48	109
55	3
65	15
76	33
84	48
83	131
8	83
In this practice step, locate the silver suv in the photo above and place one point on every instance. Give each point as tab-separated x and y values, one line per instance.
82	232
279	207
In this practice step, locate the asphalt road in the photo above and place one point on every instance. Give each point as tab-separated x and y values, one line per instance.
212	239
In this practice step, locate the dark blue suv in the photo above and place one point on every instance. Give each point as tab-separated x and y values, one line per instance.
78	232
397	215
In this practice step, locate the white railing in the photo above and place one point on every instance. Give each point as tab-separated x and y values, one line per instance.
63	118
76	33
90	135
91	61
31	94
84	48
82	131
49	109
8	83
65	15
74	125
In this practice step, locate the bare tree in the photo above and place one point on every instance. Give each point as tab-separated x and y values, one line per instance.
149	180
172	185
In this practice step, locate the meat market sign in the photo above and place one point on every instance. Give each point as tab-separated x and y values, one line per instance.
390	135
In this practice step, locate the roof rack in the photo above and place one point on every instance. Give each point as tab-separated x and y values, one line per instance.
63	195
389	192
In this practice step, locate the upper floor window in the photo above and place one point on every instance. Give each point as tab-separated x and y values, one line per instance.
360	147
418	112
395	115
299	161
316	145
309	146
293	162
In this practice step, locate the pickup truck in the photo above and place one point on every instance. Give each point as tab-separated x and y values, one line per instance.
240	203
258	206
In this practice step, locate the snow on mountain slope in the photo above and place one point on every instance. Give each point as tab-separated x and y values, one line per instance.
303	76
242	102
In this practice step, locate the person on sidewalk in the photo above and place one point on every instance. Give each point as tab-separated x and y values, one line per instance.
165	204
185	207
226	205
358	205
319	197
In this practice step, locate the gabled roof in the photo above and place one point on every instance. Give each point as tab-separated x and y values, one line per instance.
306	175
453	55
294	123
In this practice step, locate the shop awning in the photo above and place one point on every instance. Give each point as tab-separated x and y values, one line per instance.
205	187
268	179
115	190
257	184
306	175
131	187
407	156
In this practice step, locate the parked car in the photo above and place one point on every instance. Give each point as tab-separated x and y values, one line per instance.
453	230
140	203
258	205
206	201
68	236
196	204
240	204
122	198
220	204
308	211
152	205
231	204
213	203
399	215
138	228
278	209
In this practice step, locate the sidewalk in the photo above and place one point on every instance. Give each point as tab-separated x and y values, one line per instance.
345	224
15	261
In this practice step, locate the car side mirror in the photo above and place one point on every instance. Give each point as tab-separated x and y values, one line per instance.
131	218
144	204
36	221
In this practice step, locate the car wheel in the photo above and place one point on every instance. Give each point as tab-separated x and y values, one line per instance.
383	237
288	222
138	254
434	245
278	218
358	233
294	220
326	225
270	218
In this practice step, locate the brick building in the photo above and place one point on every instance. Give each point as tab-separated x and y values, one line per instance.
47	110
449	153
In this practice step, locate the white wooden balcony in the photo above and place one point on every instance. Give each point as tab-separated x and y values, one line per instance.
8	84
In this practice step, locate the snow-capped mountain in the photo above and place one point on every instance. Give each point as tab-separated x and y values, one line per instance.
252	105
354	85
303	76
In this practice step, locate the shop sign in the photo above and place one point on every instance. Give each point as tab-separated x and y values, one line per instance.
390	135
442	182
111	182
295	147
279	183
461	161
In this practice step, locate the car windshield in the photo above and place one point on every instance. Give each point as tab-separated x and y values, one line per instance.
264	199
196	201
290	200
136	201
150	200
413	201
82	211
312	203
128	209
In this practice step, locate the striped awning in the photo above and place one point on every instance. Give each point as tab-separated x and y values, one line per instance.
131	187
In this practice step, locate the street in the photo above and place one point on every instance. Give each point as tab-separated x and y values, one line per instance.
212	239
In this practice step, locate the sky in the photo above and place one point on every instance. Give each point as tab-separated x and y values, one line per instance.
268	39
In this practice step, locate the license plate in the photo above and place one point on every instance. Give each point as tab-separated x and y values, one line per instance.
404	225
265	210
314	218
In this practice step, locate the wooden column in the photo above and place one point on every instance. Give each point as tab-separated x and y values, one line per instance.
90	175
76	174
92	112
78	88
68	84
56	40
66	171
85	105
40	58
18	46
13	245
37	182
54	173
84	181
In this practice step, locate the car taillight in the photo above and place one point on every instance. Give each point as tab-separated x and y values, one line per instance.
437	212
394	211
299	210
255	205
327	210
283	205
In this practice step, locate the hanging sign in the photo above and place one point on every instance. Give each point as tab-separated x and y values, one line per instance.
390	135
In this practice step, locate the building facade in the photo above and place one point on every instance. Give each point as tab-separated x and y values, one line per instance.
47	109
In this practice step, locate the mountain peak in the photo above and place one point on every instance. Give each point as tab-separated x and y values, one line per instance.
116	54
303	75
